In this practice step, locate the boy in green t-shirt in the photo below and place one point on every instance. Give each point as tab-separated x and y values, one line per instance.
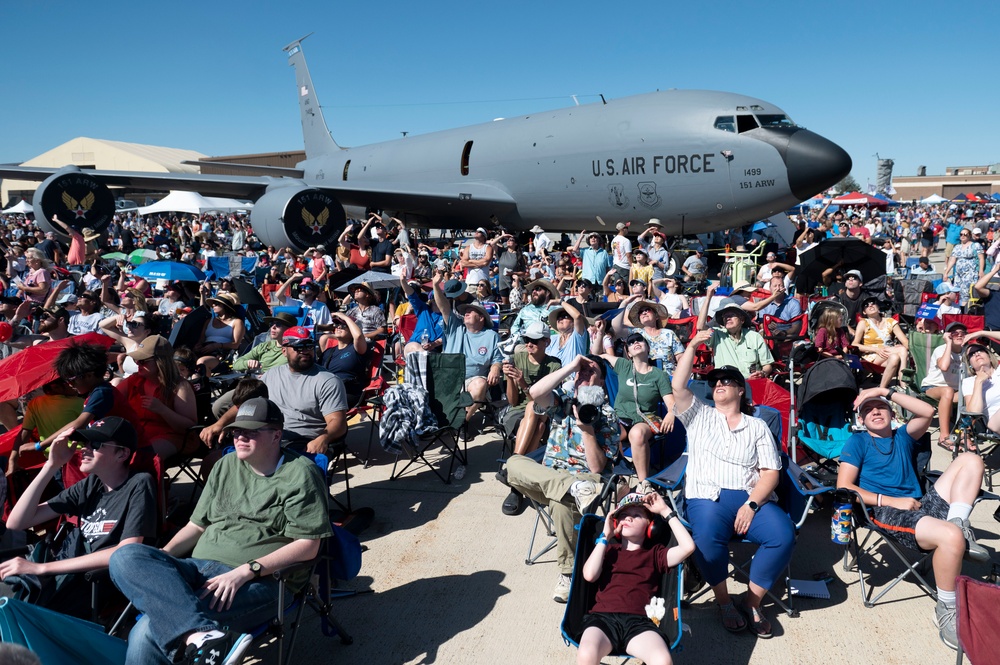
527	368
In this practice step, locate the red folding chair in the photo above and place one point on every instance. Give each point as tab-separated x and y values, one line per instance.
978	618
370	403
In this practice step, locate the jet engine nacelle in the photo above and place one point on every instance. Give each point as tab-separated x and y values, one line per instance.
297	216
77	198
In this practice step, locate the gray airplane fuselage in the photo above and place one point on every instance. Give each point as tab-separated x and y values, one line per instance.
653	155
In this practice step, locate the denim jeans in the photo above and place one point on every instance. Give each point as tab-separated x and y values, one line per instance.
712	526
166	590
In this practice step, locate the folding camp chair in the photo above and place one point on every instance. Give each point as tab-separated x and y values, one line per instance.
444	372
543	518
582	594
370	402
915	564
978	617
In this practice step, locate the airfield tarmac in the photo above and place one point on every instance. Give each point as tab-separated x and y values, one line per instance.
451	587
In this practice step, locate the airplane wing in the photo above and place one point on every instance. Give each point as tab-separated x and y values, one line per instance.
442	199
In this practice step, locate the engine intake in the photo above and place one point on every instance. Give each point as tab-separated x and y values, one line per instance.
297	216
77	198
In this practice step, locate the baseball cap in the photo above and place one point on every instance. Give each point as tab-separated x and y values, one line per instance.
536	330
726	372
879	400
854	273
151	347
257	413
955	324
110	429
296	337
632	499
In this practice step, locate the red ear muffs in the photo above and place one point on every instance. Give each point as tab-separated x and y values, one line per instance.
618	528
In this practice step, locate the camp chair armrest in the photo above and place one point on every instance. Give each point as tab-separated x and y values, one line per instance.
283	574
805	483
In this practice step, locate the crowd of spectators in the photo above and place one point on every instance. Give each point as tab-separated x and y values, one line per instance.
543	325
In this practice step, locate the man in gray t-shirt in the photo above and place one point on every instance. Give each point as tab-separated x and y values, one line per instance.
312	400
465	332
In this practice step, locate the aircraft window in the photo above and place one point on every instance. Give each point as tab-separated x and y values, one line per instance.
744	123
465	158
775	120
726	123
347	165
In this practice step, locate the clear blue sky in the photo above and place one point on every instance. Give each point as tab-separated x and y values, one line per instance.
913	81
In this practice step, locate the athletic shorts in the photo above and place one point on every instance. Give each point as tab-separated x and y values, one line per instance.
620	628
902	524
924	242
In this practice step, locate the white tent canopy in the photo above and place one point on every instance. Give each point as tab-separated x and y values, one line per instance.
193	203
935	198
22	207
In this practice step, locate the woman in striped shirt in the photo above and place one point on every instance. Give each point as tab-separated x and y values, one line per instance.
733	468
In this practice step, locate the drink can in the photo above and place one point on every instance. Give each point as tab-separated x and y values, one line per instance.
840	524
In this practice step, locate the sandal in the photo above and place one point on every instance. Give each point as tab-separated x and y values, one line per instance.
759	626
732	618
946	444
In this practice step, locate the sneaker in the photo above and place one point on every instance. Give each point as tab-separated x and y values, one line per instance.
973	550
514	503
645	487
217	647
944	619
561	594
584	491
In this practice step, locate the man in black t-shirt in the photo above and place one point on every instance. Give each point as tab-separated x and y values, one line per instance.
115	506
382	250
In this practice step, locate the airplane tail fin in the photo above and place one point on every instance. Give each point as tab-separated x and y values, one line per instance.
315	133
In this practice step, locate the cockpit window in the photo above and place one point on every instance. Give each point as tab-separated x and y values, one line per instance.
744	123
726	123
775	120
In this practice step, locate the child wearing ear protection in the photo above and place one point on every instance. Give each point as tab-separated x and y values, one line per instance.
627	575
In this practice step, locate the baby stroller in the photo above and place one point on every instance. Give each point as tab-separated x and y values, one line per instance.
826	407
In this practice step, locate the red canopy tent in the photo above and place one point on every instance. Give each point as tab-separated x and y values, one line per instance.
859	199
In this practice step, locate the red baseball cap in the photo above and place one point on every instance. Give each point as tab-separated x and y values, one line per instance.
297	336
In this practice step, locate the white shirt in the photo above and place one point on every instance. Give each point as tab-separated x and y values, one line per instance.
991	393
722	458
935	377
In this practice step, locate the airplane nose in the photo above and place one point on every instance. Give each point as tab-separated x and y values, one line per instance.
814	163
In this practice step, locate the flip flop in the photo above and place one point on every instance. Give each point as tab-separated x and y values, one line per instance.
946	444
732	618
759	626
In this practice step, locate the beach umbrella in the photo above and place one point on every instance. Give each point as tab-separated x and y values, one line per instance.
57	638
343	280
141	256
843	253
35	366
115	256
175	271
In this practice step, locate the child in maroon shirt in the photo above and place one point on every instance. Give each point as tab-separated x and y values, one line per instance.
628	575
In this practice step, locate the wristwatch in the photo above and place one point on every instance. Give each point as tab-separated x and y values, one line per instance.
754	506
255	568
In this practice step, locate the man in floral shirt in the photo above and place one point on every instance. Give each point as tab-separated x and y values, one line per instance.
583	440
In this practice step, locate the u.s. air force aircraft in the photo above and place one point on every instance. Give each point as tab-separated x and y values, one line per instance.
697	160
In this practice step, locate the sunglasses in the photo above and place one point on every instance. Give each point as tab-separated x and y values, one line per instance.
725	381
97	445
636	340
240	433
301	348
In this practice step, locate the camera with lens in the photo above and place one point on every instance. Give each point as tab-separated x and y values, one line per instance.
589	402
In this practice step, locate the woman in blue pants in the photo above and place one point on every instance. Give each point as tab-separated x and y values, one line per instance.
733	468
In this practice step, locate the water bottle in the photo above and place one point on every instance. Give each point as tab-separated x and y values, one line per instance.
425	339
840	524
